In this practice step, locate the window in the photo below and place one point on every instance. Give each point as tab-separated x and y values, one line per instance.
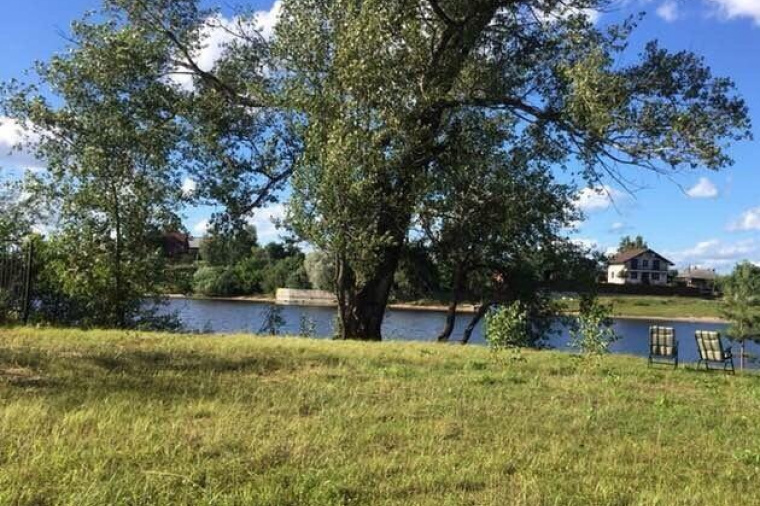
634	263
655	276
645	264
656	265
634	275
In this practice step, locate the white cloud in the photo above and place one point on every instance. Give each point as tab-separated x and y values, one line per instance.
189	186
704	189
731	9
668	11
11	134
265	220
749	220
597	199
716	254
619	226
218	33
266	21
201	228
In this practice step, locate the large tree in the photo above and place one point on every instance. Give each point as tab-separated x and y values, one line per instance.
107	131
379	83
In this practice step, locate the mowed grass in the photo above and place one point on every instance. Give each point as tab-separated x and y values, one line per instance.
105	417
657	306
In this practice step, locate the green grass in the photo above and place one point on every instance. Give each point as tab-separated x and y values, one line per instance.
102	417
658	306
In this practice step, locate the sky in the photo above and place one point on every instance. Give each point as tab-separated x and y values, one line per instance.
699	217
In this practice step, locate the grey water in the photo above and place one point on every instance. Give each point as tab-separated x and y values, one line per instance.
226	317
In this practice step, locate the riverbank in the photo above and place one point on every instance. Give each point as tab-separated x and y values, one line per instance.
106	417
268	299
685	309
655	308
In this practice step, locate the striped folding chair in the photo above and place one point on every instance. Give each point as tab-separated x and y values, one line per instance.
663	345
711	350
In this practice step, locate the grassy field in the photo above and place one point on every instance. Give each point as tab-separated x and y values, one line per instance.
93	418
658	306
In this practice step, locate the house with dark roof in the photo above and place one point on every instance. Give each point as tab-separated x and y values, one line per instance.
639	266
695	277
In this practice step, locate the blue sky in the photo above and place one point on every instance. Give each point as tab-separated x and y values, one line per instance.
700	217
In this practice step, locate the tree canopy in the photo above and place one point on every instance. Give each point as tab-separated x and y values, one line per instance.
627	243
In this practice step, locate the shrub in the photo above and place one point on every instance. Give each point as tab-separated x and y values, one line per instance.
507	327
285	273
222	281
592	333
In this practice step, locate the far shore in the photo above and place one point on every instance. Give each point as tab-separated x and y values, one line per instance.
441	308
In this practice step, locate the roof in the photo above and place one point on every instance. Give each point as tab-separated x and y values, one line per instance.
696	273
623	257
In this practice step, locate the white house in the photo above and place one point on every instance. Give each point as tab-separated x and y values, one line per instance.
640	266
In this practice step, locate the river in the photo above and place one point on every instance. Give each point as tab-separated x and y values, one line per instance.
226	316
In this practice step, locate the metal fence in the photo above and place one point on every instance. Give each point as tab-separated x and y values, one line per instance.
15	280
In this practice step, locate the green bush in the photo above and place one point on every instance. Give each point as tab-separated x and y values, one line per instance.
592	333
507	327
217	281
285	273
179	278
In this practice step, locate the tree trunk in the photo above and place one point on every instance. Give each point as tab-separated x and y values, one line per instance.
481	312
451	314
118	260
362	309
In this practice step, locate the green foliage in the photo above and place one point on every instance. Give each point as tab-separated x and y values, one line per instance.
263	270
217	281
741	302
507	327
104	123
320	269
74	287
287	272
418	273
6	309
593	334
18	210
627	243
228	247
179	279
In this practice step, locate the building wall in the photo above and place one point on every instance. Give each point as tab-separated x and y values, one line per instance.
614	275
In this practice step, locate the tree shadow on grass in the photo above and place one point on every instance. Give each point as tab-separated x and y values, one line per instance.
150	374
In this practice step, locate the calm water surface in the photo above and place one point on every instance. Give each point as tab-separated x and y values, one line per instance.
247	317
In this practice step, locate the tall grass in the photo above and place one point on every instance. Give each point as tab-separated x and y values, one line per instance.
104	417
